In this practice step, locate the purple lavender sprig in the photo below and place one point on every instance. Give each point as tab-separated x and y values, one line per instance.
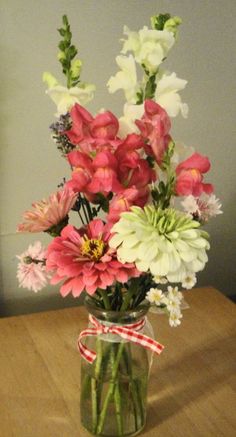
61	125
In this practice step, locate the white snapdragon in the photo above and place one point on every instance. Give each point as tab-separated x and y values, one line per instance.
125	79
127	121
149	46
167	96
64	97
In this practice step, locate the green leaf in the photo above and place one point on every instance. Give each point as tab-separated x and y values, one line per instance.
62	46
71	52
62	31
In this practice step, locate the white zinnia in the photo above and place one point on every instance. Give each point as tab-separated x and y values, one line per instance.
149	46
167	96
125	79
166	243
64	97
155	296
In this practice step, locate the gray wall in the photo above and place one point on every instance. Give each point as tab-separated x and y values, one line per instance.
30	165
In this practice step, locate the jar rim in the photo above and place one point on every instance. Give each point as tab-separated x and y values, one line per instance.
127	316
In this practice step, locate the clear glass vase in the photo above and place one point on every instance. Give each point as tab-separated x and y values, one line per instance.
114	386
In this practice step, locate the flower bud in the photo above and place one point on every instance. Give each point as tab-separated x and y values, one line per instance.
61	56
158	21
76	65
172	24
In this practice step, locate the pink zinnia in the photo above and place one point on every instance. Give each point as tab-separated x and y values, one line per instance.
83	259
31	272
48	213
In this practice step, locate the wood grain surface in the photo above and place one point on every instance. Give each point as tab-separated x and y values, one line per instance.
192	385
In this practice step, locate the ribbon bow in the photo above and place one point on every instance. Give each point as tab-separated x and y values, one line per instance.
127	332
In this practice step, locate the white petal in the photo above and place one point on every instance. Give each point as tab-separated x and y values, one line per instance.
147	251
127	255
160	265
142	266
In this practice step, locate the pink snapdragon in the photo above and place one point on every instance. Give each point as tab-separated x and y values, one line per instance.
105	178
93	133
132	168
122	202
48	212
84	261
31	272
155	126
81	120
189	176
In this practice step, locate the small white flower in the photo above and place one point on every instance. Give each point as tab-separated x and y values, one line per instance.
31	271
203	207
160	279
174	293
167	96
190	205
154	295
126	79
174	318
189	281
173	299
209	206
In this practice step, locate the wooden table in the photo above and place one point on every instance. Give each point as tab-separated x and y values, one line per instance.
192	386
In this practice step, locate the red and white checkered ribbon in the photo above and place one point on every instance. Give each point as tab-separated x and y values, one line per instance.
127	332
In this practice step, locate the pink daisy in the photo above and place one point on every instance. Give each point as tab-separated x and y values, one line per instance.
84	260
31	271
48	213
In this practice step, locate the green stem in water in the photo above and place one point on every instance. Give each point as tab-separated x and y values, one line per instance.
94	404
105	299
111	389
112	385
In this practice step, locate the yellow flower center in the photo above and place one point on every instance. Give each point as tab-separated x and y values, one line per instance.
93	248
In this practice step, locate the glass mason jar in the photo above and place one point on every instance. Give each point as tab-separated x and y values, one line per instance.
114	386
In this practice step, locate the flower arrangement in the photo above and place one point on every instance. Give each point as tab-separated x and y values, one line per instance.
141	198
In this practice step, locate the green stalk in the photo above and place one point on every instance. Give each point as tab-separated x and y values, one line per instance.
117	396
98	367
105	299
128	361
117	399
112	385
94	404
111	389
132	290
